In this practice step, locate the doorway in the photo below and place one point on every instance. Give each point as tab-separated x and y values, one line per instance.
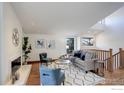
69	45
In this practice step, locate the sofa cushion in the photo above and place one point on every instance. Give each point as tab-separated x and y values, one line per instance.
79	61
86	65
88	56
83	55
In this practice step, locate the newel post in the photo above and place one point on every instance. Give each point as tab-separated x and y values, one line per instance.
110	68
121	57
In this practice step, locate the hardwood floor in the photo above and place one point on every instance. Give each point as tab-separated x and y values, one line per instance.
34	77
115	78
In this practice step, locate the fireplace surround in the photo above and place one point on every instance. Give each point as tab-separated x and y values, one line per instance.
19	72
15	65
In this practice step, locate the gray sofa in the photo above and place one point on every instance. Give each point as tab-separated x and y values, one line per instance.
84	61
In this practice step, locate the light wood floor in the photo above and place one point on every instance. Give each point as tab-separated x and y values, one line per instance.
115	78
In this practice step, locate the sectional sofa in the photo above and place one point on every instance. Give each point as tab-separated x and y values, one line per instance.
84	60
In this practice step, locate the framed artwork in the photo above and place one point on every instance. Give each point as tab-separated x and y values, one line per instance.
40	43
15	37
51	44
87	41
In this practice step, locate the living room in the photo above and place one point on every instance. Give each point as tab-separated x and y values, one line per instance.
52	23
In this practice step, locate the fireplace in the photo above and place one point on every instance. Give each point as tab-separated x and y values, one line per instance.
15	65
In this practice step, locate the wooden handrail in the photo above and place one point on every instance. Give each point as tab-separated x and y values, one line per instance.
97	50
112	56
115	54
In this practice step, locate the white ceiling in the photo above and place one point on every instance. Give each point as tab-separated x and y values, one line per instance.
62	18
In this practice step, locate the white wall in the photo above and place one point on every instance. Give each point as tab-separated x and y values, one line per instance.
52	53
60	47
113	36
9	51
1	34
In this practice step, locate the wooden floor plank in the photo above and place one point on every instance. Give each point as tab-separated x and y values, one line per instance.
34	77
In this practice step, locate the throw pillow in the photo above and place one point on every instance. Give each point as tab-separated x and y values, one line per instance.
88	56
77	54
83	57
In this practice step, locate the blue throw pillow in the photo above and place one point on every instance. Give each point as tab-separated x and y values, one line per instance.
83	57
77	54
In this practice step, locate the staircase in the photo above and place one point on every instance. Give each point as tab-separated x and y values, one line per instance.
111	62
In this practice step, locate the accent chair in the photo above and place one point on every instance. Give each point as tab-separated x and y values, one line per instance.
50	76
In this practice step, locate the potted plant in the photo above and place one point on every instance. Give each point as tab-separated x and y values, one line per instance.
26	49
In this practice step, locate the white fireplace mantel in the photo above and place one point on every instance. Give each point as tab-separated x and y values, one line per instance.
24	72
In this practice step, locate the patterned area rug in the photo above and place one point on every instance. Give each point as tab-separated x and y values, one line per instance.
76	76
